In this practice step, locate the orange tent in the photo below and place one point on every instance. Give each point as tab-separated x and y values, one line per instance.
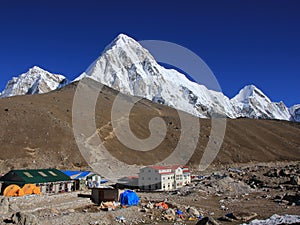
28	189
13	190
36	190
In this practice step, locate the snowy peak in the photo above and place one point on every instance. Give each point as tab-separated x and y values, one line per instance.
251	102
129	68
126	66
34	81
295	113
120	41
248	92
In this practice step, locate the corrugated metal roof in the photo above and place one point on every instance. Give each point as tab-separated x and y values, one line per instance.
77	174
34	176
156	167
70	172
83	174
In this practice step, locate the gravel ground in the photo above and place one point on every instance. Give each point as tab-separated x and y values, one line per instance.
257	190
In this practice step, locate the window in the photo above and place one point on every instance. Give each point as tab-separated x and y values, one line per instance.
42	174
149	178
156	178
143	178
60	187
52	173
149	171
27	174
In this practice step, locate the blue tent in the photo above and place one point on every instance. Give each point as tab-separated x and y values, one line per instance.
129	197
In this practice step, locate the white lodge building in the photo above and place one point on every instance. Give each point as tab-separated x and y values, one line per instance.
164	177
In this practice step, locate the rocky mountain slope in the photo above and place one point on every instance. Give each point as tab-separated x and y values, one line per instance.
129	68
36	132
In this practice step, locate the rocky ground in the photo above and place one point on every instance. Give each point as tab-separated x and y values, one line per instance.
227	195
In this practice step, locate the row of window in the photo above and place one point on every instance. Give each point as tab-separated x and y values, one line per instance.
27	174
170	177
164	186
178	177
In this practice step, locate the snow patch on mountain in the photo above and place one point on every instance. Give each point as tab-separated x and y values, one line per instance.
34	81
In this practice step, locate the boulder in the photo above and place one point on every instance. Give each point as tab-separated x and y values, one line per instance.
169	217
24	219
170	212
193	212
207	221
295	180
150	205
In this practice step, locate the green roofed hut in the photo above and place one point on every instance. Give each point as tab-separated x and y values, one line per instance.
50	180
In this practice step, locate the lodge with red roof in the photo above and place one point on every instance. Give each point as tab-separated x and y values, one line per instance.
164	177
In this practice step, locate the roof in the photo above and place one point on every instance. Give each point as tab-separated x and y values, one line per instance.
157	167
169	167
34	176
77	174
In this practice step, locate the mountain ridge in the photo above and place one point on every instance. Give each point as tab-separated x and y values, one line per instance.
37	132
126	66
35	81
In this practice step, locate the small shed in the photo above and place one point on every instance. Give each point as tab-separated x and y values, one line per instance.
49	180
105	194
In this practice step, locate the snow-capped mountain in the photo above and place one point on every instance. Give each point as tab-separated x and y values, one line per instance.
34	81
295	113
126	66
253	103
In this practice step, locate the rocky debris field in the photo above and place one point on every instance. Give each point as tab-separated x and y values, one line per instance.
235	194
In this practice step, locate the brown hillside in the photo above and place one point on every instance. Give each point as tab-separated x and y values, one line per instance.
36	131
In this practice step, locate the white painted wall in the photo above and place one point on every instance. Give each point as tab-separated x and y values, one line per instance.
149	179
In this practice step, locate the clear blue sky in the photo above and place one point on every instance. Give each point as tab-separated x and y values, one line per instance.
243	42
